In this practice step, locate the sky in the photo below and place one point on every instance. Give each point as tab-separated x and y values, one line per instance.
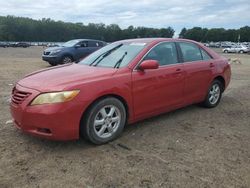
149	13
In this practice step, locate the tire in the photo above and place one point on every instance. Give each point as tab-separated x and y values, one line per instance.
101	124
52	63
66	59
226	51
213	97
241	51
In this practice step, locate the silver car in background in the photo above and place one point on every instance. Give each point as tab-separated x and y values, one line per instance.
236	49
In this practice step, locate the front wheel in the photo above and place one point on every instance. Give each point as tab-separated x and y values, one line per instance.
214	94
66	59
104	121
241	51
52	63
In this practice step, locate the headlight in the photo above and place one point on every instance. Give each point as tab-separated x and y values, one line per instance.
55	51
55	97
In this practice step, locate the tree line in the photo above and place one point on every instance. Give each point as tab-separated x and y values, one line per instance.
46	30
216	34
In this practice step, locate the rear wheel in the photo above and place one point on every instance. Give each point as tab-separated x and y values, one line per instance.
241	51
226	51
104	121
214	94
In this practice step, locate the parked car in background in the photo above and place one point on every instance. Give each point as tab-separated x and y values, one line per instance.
236	49
206	44
20	44
4	44
225	46
70	51
214	45
121	83
52	45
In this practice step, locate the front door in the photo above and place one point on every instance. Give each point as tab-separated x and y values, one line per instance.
83	50
159	90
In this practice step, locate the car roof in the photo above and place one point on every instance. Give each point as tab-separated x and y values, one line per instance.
88	40
155	40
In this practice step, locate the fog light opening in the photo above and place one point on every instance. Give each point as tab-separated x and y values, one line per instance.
44	130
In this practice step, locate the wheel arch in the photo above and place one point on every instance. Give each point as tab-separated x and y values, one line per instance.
222	80
120	98
68	54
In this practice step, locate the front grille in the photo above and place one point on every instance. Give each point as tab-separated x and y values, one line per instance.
46	53
18	96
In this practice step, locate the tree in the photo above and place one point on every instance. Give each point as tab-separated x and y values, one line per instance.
196	33
216	34
47	30
183	33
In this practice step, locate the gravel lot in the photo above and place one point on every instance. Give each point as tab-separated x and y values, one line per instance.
190	147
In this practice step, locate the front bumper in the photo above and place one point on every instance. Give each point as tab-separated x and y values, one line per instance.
53	59
51	121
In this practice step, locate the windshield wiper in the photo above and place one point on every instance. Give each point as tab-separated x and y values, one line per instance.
118	63
105	54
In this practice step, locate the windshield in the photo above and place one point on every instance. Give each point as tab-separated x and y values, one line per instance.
114	55
70	43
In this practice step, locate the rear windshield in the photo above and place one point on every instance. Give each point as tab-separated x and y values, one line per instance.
115	55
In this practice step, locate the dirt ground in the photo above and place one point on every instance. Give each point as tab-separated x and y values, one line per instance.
190	147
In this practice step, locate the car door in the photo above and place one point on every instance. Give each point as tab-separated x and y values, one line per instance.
234	49
198	67
93	46
238	49
158	90
82	50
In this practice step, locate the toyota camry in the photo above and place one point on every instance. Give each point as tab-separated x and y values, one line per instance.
119	84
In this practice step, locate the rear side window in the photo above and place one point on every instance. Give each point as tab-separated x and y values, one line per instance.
94	44
190	52
205	55
100	44
164	53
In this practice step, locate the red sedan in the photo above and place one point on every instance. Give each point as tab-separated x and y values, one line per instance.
121	83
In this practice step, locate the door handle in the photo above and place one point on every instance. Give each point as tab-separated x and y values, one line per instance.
211	65
178	71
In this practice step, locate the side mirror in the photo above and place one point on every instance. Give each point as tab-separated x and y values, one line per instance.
78	46
149	64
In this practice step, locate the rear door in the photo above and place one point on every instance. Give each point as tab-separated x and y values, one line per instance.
198	67
158	90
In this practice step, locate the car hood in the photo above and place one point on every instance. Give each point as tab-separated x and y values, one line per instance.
54	48
64	77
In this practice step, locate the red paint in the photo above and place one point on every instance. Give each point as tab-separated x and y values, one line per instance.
146	92
149	64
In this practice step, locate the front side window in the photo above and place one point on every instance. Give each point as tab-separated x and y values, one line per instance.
205	55
84	44
164	53
190	52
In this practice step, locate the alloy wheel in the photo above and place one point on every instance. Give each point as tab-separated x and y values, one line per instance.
214	94
107	121
66	60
